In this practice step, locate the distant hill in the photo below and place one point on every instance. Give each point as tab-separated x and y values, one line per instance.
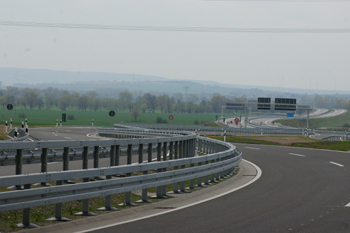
83	81
11	76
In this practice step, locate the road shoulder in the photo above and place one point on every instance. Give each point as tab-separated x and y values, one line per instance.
247	174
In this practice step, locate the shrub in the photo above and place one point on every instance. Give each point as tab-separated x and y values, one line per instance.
346	125
160	120
22	115
196	122
70	117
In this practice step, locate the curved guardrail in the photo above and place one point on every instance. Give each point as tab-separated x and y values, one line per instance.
176	162
271	130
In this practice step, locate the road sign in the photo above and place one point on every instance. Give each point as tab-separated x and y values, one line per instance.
264	103
236	120
171	117
285	104
111	113
9	107
237	106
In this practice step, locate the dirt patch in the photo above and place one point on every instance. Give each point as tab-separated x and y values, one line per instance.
284	140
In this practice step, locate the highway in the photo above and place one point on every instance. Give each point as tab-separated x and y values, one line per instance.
300	190
268	121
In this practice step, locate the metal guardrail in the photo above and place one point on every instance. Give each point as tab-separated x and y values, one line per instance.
176	162
257	130
345	137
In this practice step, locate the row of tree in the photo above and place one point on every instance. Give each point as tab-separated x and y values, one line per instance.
31	98
52	97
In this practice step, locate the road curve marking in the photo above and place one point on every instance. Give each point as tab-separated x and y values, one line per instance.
338	164
258	175
253	148
297	154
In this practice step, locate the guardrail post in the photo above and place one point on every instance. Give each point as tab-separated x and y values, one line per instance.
85	209
26	215
165	152
159	191
108	198
65	159
144	191
58	209
129	159
191	154
43	166
184	152
18	161
96	161
218	173
212	176
176	152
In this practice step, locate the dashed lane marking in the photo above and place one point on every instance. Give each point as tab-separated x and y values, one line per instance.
253	148
297	154
338	164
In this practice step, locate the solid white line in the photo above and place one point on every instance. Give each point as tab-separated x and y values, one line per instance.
348	205
52	162
338	164
297	154
258	175
254	148
67	137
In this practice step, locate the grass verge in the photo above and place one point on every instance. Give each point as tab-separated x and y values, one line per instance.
10	219
294	141
334	122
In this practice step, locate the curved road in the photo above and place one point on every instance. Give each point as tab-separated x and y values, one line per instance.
300	190
305	191
319	113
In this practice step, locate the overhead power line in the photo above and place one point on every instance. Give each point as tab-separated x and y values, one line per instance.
175	29
280	1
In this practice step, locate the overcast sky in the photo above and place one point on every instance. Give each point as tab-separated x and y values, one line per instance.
297	60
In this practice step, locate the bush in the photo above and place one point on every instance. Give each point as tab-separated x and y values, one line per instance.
160	120
346	125
70	117
22	115
196	122
203	122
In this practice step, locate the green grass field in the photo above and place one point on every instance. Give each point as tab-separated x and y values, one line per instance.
337	121
305	143
101	118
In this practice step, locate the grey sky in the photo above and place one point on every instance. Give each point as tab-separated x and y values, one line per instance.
298	60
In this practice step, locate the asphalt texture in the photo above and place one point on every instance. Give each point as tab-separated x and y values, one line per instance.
300	190
296	193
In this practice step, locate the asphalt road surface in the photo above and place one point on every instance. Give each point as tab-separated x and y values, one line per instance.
300	190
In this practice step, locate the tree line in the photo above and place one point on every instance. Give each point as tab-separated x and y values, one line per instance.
31	98
48	98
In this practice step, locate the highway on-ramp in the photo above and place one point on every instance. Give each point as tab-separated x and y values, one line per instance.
300	190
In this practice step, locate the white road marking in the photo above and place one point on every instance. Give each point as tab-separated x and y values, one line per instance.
338	164
52	162
67	138
253	148
347	205
259	172
297	154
